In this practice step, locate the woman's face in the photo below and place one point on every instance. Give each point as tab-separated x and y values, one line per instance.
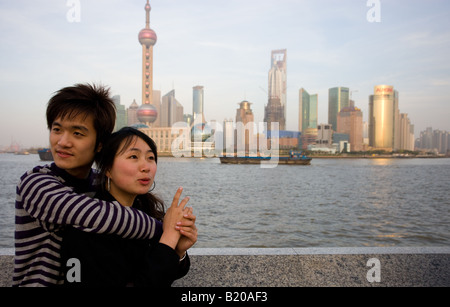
133	172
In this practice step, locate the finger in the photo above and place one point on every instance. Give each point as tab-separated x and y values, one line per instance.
177	196
184	201
188	210
186	223
189	233
189	216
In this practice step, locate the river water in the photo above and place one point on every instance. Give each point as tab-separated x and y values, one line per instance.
331	203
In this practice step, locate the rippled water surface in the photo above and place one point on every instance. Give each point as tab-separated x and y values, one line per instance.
333	202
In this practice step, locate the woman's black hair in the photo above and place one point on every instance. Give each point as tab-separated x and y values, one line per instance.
116	144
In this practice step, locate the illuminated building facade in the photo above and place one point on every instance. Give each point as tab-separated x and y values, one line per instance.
350	121
383	118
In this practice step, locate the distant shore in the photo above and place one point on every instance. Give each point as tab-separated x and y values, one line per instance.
342	156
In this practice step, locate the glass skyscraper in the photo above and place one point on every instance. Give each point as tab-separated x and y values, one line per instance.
197	101
307	117
338	98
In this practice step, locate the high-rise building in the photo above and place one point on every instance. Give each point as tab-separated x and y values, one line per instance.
434	140
198	102
147	112
383	118
338	98
244	114
171	110
121	113
277	82
274	113
245	118
406	133
350	121
307	109
132	113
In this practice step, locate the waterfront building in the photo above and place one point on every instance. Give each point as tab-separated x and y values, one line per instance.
121	113
350	121
308	137
244	117
307	109
437	141
132	118
324	135
189	119
287	140
228	137
171	110
164	137
338	98
406	133
198	102
383	118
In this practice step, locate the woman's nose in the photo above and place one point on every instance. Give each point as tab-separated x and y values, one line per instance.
145	167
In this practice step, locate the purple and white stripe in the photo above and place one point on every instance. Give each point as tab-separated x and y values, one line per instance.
43	205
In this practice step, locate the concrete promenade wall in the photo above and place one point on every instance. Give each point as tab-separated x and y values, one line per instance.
298	267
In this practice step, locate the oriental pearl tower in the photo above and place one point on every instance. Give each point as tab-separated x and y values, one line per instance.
147	112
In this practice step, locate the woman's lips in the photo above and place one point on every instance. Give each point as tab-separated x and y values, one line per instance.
144	181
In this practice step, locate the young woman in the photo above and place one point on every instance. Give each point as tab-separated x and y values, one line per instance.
127	169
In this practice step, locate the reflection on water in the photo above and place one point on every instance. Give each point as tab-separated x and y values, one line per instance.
332	202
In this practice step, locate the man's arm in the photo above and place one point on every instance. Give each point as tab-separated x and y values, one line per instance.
48	200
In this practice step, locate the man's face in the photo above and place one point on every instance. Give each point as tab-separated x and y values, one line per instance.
72	142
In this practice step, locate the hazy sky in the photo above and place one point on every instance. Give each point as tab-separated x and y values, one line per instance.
224	45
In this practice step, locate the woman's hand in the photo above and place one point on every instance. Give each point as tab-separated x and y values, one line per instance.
174	214
188	232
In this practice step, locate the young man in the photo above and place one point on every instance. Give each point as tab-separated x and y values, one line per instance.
79	118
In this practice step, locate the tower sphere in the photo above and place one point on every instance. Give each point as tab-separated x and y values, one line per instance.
147	37
147	113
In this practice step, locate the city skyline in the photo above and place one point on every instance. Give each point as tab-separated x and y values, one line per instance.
224	46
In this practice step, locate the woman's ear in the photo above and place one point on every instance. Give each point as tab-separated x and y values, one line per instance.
99	147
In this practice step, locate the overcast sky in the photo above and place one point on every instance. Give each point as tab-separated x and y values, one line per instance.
224	45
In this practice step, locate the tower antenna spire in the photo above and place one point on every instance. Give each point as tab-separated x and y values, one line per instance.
147	113
148	8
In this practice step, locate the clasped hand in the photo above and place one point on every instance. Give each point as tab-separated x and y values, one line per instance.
179	230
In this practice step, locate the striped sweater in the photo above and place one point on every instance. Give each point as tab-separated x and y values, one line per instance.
47	198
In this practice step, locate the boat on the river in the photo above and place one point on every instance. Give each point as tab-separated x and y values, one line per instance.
45	154
294	158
